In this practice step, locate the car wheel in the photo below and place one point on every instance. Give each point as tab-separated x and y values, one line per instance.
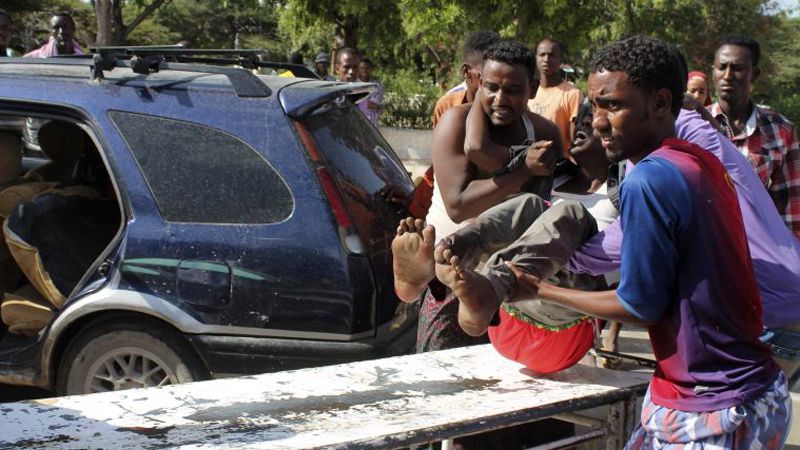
114	357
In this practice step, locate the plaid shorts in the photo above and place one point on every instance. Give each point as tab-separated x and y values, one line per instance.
760	424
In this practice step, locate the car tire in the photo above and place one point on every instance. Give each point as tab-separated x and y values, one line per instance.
117	356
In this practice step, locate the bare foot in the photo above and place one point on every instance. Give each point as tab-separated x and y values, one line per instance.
477	300
412	258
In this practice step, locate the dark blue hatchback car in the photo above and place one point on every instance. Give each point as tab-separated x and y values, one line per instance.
253	228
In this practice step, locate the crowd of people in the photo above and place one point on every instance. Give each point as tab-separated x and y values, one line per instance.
518	233
547	212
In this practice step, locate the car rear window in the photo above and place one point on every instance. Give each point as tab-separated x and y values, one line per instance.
199	174
357	152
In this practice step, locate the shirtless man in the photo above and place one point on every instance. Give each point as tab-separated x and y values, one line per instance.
464	189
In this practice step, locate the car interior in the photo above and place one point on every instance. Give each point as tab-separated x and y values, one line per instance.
57	218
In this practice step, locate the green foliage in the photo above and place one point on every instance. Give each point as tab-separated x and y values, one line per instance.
408	100
415	44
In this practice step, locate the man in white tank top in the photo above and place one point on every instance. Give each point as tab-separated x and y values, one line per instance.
465	188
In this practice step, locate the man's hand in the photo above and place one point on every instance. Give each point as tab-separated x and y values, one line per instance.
692	104
541	158
525	281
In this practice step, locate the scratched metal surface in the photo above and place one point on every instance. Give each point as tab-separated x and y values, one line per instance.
371	404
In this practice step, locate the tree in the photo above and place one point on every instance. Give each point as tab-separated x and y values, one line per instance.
111	28
343	17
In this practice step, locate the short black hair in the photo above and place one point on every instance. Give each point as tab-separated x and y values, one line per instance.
746	42
346	51
649	63
584	110
555	42
64	14
296	58
511	53
478	42
3	13
368	61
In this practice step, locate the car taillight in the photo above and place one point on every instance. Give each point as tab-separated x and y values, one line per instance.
335	200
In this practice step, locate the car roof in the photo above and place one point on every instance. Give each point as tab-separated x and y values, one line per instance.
303	95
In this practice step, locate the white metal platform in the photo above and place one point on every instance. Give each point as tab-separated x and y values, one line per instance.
384	403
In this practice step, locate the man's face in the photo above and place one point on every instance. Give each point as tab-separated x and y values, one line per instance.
505	90
364	71
548	58
733	73
5	31
621	118
347	67
697	88
585	142
322	67
63	30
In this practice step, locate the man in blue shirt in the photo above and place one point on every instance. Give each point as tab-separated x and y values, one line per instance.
685	266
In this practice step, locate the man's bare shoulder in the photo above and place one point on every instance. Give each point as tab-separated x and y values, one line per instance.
545	129
455	116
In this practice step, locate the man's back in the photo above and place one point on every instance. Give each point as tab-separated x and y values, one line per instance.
680	214
774	250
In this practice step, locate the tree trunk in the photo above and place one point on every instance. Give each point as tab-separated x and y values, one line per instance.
104	14
111	28
350	31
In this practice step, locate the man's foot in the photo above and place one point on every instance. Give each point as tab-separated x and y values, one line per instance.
464	243
412	258
477	300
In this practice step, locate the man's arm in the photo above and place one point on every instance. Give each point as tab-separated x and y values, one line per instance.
602	304
464	196
478	148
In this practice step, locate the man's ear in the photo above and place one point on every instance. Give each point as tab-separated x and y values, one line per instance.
465	71
661	102
756	73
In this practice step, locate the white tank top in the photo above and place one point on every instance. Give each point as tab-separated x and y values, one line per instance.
597	203
437	214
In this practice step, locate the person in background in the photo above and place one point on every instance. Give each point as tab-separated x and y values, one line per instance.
322	65
556	99
764	136
6	28
697	87
294	58
471	65
346	64
370	106
61	41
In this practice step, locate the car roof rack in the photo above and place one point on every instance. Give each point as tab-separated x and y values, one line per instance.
246	58
145	60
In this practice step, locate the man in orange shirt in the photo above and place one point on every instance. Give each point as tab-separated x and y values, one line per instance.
471	66
556	99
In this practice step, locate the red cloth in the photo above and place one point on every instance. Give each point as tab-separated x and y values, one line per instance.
422	196
540	350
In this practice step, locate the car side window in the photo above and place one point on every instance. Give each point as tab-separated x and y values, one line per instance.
202	175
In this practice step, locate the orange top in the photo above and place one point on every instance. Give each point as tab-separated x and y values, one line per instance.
558	104
446	102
